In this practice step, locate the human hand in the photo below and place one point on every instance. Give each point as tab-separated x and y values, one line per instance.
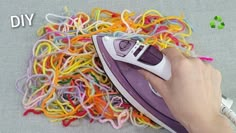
193	93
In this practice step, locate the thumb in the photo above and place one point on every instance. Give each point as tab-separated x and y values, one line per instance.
156	82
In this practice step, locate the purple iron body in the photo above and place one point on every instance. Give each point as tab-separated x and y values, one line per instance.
130	83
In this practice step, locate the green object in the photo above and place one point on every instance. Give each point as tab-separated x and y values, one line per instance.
218	18
65	81
34	88
212	24
221	26
94	78
217	22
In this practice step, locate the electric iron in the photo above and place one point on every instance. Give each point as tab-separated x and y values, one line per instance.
121	58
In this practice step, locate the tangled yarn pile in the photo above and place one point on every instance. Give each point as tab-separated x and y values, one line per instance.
65	80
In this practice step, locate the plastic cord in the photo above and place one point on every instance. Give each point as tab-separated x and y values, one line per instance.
230	114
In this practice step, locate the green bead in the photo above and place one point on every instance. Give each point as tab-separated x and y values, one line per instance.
221	26
218	18
212	24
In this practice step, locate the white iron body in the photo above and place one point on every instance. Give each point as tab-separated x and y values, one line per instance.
162	69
